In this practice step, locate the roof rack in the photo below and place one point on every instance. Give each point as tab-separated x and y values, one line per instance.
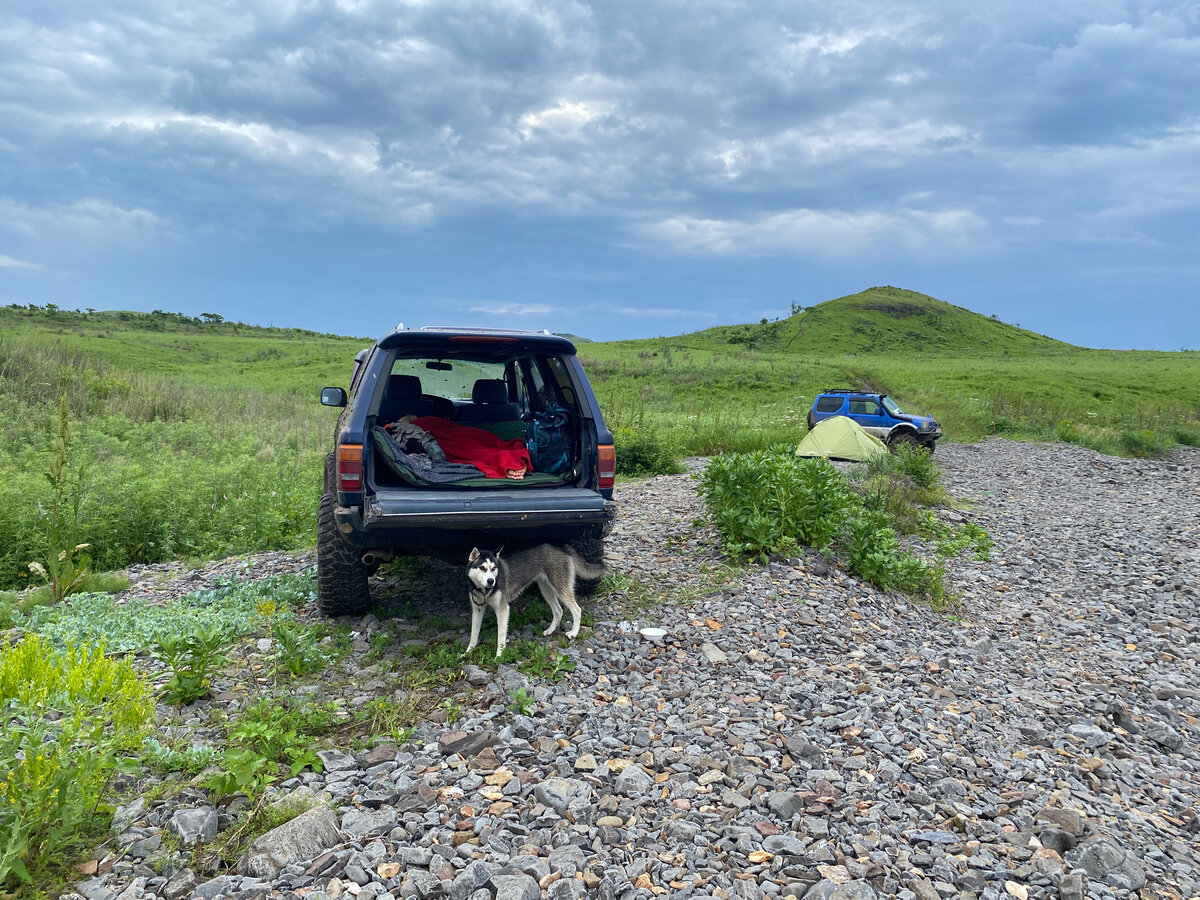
473	329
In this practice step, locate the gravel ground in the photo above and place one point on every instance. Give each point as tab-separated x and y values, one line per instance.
795	733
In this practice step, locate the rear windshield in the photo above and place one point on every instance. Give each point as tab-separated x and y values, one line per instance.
452	379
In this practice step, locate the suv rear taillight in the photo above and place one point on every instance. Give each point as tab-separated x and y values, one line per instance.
606	466
350	467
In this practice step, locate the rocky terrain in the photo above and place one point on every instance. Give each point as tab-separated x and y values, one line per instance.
793	733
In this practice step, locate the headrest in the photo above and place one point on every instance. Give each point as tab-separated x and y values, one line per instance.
403	387
489	390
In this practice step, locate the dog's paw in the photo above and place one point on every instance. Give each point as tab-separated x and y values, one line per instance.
573	633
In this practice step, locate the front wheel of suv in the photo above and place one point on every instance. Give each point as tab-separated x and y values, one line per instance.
341	574
903	439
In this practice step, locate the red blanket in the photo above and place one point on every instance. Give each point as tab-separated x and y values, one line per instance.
462	443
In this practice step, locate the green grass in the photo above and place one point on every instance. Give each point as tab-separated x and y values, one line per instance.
717	391
200	439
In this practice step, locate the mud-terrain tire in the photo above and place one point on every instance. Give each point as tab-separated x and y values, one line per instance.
590	550
903	439
341	574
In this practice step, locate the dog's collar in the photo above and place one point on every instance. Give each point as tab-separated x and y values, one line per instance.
482	595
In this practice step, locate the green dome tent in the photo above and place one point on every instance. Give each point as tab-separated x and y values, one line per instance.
841	438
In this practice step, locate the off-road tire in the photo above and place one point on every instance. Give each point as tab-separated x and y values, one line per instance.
929	446
341	574
903	439
590	550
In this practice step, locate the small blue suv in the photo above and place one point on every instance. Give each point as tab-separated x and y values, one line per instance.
878	414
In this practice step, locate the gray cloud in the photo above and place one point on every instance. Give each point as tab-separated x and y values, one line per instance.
905	132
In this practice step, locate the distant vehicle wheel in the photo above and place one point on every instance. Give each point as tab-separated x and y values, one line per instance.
811	423
929	446
590	550
341	574
903	439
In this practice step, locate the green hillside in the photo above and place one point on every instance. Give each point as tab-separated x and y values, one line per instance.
877	320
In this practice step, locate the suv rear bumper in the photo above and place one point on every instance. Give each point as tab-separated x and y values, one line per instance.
435	518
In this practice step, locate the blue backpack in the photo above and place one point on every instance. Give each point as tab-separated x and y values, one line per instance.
549	440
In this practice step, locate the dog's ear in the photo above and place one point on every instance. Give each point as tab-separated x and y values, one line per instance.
498	550
474	555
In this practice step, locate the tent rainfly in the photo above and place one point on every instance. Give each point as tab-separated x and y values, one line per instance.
841	438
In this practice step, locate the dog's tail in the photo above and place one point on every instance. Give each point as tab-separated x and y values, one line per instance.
585	569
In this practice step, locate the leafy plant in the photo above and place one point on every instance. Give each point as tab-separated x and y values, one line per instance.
67	720
295	653
283	733
871	548
192	759
231	607
453	710
521	701
772	501
242	771
193	658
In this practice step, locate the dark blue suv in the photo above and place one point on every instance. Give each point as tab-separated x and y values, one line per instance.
878	414
536	461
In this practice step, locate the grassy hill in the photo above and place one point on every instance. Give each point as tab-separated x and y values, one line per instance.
743	386
877	320
195	437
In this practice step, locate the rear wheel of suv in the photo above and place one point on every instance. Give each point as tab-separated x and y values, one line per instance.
590	550
341	574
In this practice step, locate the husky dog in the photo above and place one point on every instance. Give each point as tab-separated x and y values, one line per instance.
497	582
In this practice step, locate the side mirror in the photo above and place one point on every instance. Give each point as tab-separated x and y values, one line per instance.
333	396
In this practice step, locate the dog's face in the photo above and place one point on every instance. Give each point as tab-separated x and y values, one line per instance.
482	571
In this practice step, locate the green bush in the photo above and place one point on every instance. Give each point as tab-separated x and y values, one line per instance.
1189	437
67	718
871	549
644	452
773	503
1143	442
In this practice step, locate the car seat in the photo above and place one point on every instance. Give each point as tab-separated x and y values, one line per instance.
402	396
489	403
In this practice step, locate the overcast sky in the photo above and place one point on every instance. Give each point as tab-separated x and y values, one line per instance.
609	169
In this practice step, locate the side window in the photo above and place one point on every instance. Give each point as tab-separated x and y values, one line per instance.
562	379
862	407
829	404
531	389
